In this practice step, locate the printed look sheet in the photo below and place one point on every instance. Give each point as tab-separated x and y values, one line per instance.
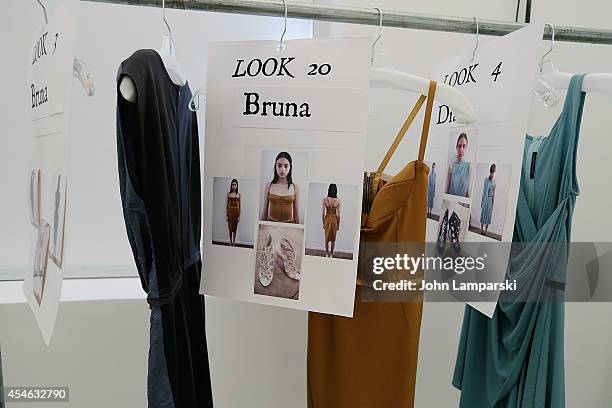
476	169
283	170
49	68
49	88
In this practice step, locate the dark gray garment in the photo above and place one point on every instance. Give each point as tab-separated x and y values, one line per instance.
159	173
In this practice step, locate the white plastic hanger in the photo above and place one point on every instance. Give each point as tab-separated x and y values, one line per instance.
194	103
551	79
168	56
389	78
167	53
79	68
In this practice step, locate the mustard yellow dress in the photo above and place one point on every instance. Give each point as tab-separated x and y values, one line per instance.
233	212
370	360
330	223
280	207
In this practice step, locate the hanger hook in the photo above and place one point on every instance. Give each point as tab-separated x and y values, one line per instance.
281	45
380	25
166	21
552	45
477	37
44	11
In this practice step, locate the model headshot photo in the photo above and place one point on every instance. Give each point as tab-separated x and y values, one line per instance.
233	211
283	177
491	186
278	261
330	225
461	154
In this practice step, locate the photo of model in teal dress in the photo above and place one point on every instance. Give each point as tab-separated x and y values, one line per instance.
459	169
488	198
431	189
516	358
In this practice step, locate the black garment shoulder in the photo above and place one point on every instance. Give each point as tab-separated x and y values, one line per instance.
159	174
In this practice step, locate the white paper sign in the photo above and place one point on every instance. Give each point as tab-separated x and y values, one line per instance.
50	67
283	168
478	167
42	287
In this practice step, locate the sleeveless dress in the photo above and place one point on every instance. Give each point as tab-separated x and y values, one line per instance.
330	223
460	174
280	207
515	359
158	159
487	201
431	189
369	361
233	213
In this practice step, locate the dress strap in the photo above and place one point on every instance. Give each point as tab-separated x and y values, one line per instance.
400	135
402	132
573	107
426	121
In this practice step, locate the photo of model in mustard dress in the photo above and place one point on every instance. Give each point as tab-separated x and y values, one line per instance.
281	201
233	211
331	219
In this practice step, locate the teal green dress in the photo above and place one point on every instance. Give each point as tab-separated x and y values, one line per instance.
460	177
515	359
1	386
486	203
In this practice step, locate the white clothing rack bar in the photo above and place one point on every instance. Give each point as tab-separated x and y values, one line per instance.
365	16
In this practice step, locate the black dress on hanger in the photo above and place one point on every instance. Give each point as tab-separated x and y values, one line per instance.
159	174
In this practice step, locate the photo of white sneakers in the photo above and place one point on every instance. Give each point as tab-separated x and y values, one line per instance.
278	261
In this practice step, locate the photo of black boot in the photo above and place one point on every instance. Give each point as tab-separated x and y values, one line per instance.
442	231
454	223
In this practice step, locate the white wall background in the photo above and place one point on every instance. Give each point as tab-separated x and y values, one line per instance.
106	342
107	34
254	346
248	210
345	238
